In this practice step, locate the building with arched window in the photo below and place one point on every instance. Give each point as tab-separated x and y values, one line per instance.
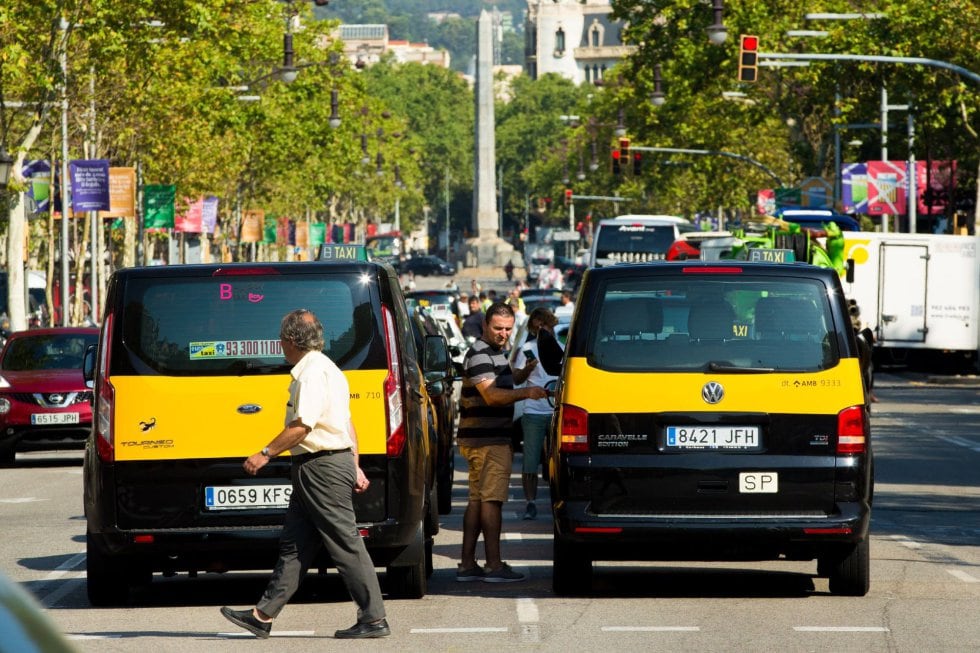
576	39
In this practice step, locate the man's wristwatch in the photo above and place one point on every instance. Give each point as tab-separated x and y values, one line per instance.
265	452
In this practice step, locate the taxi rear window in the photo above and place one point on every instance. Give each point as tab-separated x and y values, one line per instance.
713	323
229	325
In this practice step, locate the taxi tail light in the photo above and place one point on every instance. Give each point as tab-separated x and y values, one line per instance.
106	401
394	407
852	430
574	433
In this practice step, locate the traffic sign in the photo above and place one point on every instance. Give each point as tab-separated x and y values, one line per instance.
562	236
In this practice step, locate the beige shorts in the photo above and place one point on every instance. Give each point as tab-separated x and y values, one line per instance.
489	471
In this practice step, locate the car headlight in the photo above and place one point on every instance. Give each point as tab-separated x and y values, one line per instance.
4	405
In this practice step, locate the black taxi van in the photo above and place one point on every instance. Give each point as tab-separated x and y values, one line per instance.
189	380
711	411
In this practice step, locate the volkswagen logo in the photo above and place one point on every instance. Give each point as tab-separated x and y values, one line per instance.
249	409
56	398
712	392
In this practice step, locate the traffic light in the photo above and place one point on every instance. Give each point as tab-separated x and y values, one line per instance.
748	58
568	196
616	167
624	149
637	162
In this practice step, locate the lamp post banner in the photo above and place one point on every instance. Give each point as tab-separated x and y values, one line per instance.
318	233
39	190
854	187
89	184
122	193
209	214
158	206
190	220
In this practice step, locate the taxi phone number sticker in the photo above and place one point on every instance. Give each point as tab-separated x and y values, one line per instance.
234	348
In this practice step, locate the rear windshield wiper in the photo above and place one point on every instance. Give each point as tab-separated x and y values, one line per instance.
725	366
241	367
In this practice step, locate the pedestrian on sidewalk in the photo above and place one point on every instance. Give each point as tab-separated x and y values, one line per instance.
322	443
486	417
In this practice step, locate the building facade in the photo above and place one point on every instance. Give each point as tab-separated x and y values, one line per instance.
576	39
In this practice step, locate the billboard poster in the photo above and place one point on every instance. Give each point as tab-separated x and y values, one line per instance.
189	220
122	193
89	184
158	206
252	226
765	202
318	233
935	182
854	187
38	172
209	214
887	188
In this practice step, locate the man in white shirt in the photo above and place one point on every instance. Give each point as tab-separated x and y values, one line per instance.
567	306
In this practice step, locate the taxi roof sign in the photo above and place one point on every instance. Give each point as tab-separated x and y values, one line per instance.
767	255
342	253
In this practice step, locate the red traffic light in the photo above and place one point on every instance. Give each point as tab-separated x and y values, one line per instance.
748	58
750	43
624	147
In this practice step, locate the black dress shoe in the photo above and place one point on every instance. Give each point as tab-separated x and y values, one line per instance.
364	631
247	620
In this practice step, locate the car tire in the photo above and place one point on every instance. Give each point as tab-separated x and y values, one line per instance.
8	455
408	580
107	582
571	571
850	575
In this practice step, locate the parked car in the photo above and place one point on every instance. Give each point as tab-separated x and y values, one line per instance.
44	402
439	388
427	265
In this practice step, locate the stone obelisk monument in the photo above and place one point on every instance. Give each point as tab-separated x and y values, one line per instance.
487	248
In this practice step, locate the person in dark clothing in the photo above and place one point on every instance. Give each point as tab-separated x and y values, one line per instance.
473	324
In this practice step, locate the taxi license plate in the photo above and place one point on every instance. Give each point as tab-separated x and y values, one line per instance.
242	497
713	437
54	418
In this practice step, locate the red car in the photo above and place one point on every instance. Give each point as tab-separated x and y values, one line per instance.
44	402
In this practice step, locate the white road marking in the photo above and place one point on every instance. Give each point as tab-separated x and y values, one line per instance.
963	576
62	590
22	500
960	442
906	542
428	631
512	537
840	629
650	629
527	611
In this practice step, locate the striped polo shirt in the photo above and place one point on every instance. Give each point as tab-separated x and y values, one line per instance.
480	424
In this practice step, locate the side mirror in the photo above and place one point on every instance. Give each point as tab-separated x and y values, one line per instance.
436	356
849	270
436	388
551	387
88	365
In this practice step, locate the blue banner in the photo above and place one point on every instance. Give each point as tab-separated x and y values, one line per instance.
38	173
89	184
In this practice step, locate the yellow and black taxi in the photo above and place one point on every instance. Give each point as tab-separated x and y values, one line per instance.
189	379
711	411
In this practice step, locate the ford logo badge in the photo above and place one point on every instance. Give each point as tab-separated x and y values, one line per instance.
249	409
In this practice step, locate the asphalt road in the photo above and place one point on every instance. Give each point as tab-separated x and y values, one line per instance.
925	589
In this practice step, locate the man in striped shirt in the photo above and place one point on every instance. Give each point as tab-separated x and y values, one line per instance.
486	418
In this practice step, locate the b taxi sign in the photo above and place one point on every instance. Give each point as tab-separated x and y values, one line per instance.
764	255
342	253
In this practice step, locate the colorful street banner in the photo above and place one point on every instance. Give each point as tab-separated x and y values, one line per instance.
765	202
189	220
252	226
887	188
158	206
122	193
38	172
269	229
209	214
303	234
854	187
934	185
816	193
89	184
318	233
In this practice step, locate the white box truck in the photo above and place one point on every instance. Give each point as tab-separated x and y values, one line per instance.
919	294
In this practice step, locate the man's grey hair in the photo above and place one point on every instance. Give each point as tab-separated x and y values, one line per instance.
302	328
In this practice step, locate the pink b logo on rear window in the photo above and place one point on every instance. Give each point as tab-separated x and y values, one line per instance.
224	291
